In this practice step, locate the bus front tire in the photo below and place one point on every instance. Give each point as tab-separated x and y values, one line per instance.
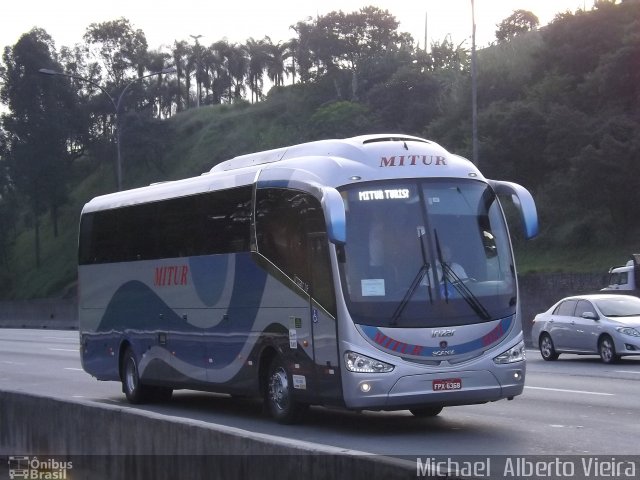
279	395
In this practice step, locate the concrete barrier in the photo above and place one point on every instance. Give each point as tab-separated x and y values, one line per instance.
104	441
53	313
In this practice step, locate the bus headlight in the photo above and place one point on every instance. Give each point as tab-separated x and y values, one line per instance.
514	354
356	362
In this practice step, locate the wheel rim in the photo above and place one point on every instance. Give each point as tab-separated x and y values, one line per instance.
279	389
131	375
606	350
546	348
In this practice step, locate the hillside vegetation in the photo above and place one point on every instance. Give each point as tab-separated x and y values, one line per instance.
559	112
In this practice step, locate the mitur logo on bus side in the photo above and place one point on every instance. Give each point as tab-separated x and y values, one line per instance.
171	275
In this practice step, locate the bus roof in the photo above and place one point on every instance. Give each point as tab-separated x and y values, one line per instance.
332	163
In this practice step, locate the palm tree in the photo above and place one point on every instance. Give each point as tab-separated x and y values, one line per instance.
291	49
238	69
180	56
275	59
258	57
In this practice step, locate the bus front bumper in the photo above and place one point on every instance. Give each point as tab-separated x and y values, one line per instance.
443	389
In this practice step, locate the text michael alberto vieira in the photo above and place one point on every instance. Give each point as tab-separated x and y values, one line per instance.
523	467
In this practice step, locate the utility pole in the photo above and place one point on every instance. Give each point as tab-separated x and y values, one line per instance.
474	90
426	18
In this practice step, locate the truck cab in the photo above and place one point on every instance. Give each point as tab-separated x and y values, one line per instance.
625	277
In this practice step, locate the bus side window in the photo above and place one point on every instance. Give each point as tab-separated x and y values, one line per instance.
291	233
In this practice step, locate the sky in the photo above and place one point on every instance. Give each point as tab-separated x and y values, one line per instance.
163	21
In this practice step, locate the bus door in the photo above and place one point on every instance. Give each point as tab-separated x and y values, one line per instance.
322	306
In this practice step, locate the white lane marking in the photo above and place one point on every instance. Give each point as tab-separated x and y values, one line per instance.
74	369
571	391
627	371
12	363
65	349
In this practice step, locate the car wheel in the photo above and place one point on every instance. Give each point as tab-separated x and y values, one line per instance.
607	350
135	391
547	350
425	412
279	395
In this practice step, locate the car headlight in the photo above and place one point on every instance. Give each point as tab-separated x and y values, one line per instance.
356	362
514	354
628	331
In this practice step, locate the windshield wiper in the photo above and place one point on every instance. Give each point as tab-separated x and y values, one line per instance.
414	285
459	285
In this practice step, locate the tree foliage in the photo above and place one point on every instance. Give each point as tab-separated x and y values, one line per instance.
38	128
520	21
559	108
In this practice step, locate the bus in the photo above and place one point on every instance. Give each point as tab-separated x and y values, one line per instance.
369	273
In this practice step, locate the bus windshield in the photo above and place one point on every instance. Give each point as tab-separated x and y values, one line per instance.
426	253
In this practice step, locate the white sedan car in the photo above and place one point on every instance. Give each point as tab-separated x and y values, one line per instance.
604	324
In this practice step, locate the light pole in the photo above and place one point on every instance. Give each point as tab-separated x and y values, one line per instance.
474	90
117	105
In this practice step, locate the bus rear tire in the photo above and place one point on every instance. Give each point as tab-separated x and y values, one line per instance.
426	412
279	395
135	391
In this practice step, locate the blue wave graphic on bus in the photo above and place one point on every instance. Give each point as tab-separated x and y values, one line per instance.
135	306
388	343
209	274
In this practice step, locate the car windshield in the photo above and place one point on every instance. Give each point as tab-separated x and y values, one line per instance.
619	306
426	253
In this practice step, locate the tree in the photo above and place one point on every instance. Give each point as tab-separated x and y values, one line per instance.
276	56
181	51
444	56
520	21
338	40
257	53
408	100
8	206
118	48
38	127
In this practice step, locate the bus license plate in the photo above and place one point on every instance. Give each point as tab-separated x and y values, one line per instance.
447	384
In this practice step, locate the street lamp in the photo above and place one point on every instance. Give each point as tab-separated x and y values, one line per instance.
474	89
117	105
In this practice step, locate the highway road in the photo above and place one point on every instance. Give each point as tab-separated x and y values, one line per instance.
576	405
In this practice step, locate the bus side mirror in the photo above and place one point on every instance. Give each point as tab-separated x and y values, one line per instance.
523	201
335	215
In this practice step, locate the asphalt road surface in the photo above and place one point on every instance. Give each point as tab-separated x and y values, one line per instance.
574	406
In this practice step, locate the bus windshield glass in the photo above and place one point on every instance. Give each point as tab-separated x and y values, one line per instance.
426	253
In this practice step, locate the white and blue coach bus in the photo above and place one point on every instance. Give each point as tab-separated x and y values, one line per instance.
371	273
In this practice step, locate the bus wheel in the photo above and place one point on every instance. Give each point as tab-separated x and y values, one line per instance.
135	391
279	395
424	412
